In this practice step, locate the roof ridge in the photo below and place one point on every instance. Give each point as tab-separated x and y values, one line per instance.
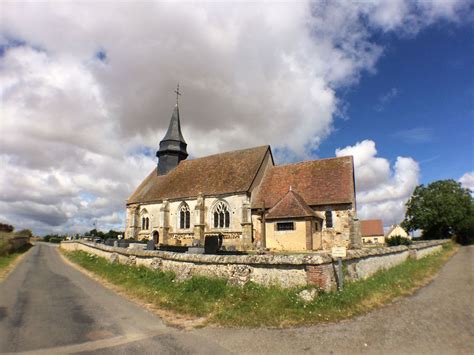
229	152
311	161
300	199
301	203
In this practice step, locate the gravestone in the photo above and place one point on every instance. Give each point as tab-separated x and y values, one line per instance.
150	245
195	250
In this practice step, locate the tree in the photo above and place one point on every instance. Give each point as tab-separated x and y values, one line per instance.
6	228
438	209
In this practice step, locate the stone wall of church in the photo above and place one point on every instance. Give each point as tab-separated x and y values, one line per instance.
235	236
339	234
291	240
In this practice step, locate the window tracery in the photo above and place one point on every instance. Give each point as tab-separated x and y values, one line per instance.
184	216
221	215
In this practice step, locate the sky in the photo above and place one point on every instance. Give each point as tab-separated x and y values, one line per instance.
87	91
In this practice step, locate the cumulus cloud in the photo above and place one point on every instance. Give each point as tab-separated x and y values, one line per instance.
467	181
87	91
382	190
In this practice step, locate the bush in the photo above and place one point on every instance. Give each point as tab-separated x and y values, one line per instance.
398	240
55	240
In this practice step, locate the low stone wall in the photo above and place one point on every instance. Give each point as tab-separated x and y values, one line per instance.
285	270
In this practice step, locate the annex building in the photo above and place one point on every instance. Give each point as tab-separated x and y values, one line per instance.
245	199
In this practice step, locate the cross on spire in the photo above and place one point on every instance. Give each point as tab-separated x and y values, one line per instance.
178	94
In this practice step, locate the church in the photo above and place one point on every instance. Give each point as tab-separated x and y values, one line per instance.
244	199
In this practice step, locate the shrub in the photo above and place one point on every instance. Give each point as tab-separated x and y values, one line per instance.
55	240
398	240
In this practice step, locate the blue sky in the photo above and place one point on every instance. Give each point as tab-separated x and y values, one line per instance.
419	102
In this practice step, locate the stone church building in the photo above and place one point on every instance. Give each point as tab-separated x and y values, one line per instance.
244	199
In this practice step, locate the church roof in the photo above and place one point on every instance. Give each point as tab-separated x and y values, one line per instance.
291	205
219	174
318	182
371	227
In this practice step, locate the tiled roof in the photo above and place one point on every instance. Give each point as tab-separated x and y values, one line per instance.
291	205
218	174
371	227
318	182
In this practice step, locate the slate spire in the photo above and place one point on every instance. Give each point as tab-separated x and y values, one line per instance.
173	146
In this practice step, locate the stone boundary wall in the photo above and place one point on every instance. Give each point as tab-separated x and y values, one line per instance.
285	270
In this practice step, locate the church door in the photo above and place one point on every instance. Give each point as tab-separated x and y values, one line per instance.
156	237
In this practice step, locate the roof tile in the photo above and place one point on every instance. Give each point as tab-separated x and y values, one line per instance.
291	205
371	227
318	182
218	174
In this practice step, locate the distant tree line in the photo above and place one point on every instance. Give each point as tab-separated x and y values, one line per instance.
110	234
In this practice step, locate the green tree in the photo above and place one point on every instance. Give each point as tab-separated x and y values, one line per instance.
438	209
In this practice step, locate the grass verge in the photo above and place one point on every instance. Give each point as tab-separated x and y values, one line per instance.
8	262
254	305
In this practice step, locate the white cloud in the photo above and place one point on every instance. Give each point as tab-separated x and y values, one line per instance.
382	191
415	135
467	180
385	99
74	127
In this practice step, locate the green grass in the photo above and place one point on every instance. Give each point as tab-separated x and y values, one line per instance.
7	260
255	305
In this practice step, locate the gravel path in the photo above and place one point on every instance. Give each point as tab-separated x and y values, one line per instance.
48	306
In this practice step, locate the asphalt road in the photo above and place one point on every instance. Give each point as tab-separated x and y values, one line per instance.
47	306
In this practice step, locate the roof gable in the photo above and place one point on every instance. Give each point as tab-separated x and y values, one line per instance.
291	205
371	227
318	182
217	174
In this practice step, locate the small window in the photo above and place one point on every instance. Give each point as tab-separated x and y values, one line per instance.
316	226
285	226
328	219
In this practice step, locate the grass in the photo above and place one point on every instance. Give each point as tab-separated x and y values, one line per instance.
254	305
8	261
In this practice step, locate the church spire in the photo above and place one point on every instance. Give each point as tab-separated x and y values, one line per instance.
173	146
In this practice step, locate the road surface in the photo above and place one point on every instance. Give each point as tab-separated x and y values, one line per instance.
48	306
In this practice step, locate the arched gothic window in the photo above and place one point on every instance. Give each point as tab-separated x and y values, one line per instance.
145	219
145	223
221	215
184	216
